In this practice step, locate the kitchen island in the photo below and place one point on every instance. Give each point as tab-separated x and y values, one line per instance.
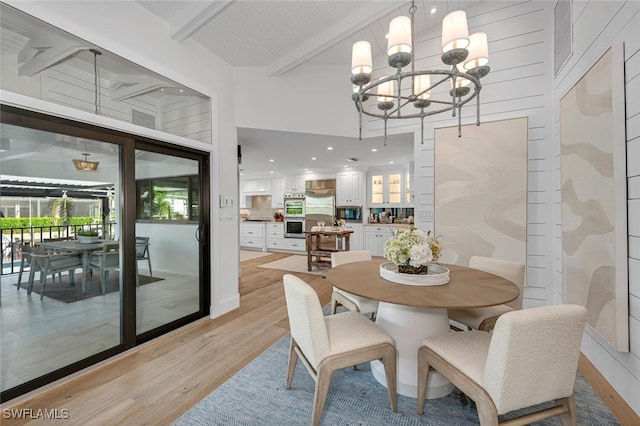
314	249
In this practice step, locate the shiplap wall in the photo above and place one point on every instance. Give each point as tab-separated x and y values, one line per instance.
518	85
188	117
522	83
596	26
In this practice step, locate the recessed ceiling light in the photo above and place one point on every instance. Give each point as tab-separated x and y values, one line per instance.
374	149
271	160
313	158
162	90
433	10
390	162
305	169
329	148
181	91
270	171
345	165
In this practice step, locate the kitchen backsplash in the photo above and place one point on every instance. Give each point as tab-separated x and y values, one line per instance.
260	209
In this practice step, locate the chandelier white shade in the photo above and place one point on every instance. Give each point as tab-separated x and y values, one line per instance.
410	94
455	33
361	62
399	40
385	92
478	51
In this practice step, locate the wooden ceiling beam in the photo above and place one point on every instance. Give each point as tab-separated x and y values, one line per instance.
194	17
331	36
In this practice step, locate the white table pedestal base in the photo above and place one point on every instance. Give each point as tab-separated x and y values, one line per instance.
409	326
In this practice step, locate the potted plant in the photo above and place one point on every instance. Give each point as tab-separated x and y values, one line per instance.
87	236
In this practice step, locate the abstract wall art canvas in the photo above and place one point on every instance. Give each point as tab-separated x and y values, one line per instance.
594	221
481	191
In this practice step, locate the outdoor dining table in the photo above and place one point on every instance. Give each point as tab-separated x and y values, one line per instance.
84	249
411	313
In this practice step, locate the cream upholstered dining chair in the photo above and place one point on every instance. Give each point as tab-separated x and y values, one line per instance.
485	318
326	344
530	358
351	301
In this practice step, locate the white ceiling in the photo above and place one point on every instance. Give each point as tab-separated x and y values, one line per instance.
277	35
293	153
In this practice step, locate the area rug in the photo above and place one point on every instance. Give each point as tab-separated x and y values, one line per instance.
256	396
295	263
250	255
65	292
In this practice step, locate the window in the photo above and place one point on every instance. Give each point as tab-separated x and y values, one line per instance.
168	199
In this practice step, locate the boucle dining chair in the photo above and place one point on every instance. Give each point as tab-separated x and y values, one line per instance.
485	318
325	344
530	358
351	301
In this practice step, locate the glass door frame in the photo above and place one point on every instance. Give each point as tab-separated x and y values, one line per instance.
127	205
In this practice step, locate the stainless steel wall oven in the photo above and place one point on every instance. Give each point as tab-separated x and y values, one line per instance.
294	227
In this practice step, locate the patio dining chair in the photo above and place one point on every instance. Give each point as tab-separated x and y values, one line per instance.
142	253
25	251
51	264
104	261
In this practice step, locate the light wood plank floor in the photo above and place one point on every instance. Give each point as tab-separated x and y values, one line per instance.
156	383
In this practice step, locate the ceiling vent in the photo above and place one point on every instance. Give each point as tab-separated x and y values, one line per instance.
143	119
352	159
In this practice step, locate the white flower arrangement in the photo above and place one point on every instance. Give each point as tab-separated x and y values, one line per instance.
412	249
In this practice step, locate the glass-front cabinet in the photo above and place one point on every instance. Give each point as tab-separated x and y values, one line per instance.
389	189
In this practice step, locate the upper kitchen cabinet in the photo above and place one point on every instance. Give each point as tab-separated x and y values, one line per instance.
350	188
389	189
256	187
408	185
277	193
294	185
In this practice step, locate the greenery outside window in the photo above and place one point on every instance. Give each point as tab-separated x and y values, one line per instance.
168	199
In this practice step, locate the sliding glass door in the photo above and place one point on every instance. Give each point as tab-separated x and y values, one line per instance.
103	240
168	225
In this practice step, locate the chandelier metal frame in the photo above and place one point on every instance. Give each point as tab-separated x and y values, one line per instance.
391	107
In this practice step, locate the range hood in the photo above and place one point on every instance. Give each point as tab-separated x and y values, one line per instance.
321	186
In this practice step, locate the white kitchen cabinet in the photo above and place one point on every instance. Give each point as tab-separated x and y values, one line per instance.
356	240
245	201
275	236
387	189
277	193
256	187
375	237
294	185
252	235
350	188
295	244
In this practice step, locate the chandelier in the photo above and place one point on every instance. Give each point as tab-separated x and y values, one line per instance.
468	58
86	165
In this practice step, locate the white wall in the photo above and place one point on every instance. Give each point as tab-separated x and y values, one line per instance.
521	84
118	29
596	26
306	100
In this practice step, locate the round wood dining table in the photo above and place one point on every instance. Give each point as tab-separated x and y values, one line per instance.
412	313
